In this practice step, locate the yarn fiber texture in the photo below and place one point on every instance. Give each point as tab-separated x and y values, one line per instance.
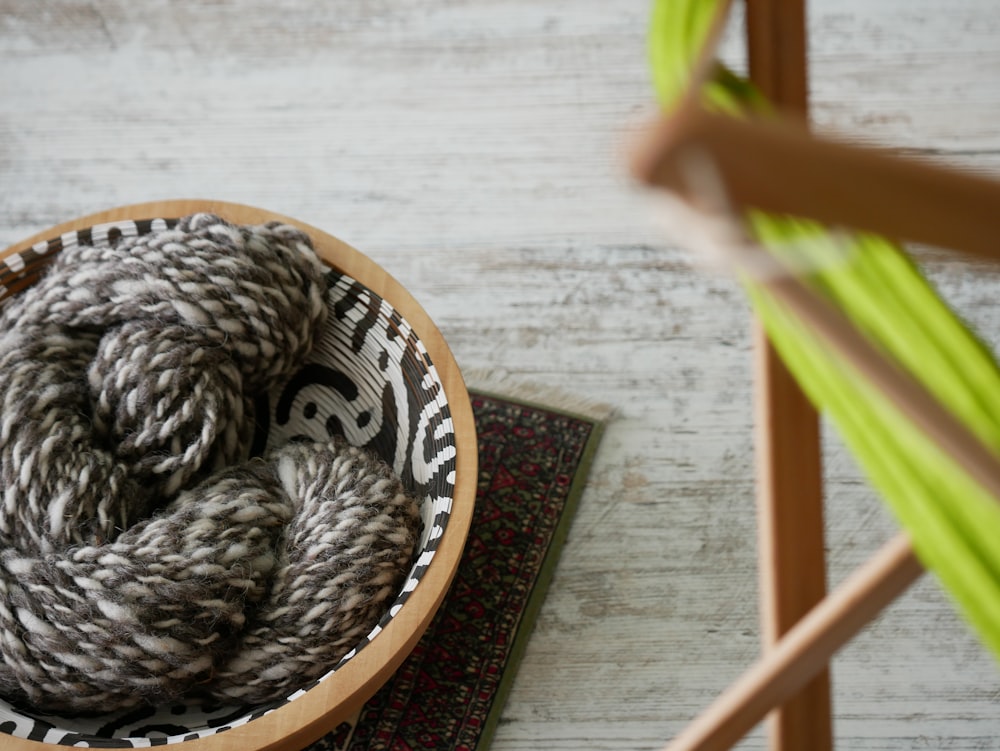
143	555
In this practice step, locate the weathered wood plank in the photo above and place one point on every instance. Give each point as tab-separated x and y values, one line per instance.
474	149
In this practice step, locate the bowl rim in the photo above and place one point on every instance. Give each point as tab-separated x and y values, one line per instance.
315	712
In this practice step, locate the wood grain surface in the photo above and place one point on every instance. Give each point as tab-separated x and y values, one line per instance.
475	149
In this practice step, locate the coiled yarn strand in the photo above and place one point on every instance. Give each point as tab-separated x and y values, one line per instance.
143	555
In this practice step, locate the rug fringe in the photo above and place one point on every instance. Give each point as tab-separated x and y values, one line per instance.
501	383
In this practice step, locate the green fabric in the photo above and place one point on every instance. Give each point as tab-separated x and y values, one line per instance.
952	521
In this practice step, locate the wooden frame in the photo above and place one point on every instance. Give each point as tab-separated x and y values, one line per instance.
896	197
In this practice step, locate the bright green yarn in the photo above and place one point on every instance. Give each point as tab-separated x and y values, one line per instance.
951	520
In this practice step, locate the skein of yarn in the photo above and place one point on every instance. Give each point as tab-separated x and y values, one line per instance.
142	554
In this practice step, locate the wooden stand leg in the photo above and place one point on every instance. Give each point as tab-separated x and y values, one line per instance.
790	489
790	539
777	52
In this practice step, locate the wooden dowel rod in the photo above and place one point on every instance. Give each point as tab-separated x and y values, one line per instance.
778	166
804	650
776	52
790	535
790	526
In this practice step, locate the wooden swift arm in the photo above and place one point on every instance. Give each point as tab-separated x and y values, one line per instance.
778	166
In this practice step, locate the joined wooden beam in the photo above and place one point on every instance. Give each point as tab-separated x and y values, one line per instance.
789	466
831	181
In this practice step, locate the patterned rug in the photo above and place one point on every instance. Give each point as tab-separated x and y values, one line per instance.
448	695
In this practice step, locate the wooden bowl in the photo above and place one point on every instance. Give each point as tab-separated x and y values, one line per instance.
410	405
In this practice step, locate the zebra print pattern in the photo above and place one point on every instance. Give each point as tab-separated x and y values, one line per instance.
369	379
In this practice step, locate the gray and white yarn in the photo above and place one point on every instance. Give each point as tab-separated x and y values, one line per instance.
142	555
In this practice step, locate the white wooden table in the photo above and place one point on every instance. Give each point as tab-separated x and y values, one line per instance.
475	150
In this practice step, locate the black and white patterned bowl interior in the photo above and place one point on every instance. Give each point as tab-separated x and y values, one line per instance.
369	379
